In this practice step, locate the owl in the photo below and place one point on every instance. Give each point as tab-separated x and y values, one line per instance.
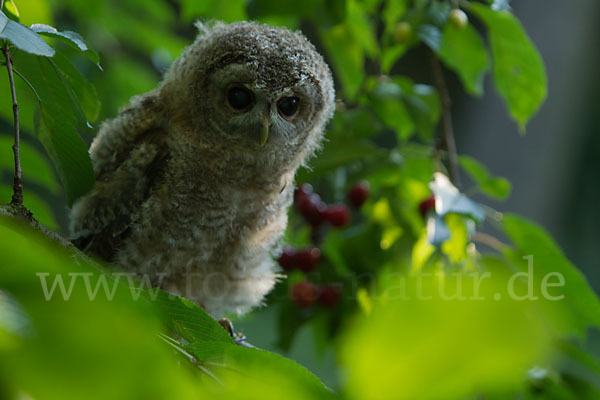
194	178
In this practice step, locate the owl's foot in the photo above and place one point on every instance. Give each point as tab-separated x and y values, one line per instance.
239	337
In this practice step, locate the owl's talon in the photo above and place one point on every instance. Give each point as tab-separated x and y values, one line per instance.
239	338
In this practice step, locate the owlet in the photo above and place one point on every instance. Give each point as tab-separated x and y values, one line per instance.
194	178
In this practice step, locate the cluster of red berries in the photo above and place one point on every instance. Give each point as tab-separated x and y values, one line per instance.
316	211
306	294
305	260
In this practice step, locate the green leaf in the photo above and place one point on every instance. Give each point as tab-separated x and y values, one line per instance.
187	319
83	92
361	27
238	365
519	72
431	36
493	186
391	54
392	13
386	101
421	252
338	151
463	50
227	11
10	8
456	247
73	342
56	122
423	104
421	326
583	307
347	56
73	39
23	38
393	10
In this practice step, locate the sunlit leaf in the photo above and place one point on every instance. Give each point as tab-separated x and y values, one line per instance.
421	252
416	336
74	39
23	37
237	364
73	342
576	295
10	9
187	319
456	246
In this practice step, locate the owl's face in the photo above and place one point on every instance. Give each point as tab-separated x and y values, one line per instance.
255	115
261	90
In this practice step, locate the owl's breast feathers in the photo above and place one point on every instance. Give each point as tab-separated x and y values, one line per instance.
159	199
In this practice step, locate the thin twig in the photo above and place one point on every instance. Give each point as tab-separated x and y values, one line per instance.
489	240
17	197
1	4
450	144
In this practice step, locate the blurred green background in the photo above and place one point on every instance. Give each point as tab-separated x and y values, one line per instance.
552	168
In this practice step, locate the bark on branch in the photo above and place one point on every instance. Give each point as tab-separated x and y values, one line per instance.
449	143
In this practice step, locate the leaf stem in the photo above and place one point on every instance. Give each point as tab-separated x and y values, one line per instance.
17	197
449	143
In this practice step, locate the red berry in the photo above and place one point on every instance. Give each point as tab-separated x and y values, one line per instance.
287	259
358	194
337	215
307	260
304	294
330	295
312	208
427	205
302	191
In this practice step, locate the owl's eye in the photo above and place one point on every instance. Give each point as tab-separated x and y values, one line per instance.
239	97
288	107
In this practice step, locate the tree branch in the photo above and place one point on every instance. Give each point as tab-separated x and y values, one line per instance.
450	144
17	197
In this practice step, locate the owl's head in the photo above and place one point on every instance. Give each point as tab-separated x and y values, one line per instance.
260	91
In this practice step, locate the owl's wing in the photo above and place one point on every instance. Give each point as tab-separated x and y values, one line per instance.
129	157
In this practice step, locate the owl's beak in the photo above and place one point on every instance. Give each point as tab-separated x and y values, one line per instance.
264	132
